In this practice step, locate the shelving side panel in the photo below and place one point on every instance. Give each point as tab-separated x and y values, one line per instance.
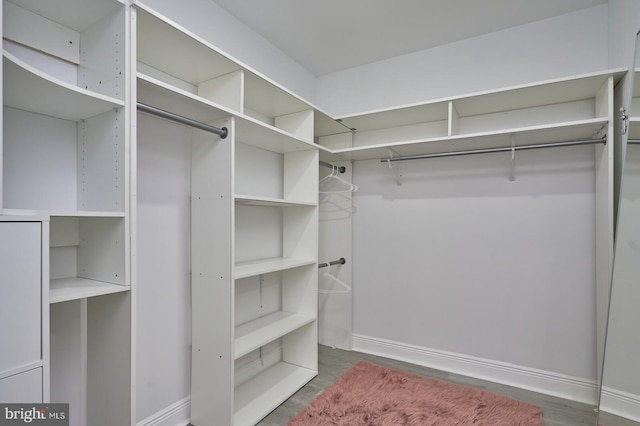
265	101
301	347
109	360
258	171
101	253
260	396
301	176
258	233
212	260
605	213
226	90
299	124
174	51
102	56
68	342
102	162
300	233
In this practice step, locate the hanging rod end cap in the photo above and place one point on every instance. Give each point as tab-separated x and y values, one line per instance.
225	133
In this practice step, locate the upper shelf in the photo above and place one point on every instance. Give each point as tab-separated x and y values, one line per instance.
29	89
249	130
173	54
578	130
507	99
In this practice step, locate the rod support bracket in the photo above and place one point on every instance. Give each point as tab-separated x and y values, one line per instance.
395	166
512	173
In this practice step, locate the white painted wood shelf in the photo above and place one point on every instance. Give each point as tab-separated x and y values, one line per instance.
559	110
271	202
266	266
254	334
66	289
29	89
257	397
61	213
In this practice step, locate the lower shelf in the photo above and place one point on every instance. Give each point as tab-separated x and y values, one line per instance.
65	289
252	335
259	396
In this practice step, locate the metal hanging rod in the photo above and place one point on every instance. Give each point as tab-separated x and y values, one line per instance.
340	261
341	169
490	150
223	132
633	141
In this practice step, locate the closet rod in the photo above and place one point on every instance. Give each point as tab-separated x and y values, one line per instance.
633	141
223	132
340	261
490	150
341	169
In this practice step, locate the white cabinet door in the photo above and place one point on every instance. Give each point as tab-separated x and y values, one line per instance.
22	388
20	294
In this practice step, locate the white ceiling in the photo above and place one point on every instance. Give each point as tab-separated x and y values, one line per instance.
326	36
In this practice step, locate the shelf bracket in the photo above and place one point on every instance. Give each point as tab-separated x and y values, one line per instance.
395	166
512	173
261	278
625	120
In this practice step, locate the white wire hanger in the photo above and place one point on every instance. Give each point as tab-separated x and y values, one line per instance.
343	287
344	186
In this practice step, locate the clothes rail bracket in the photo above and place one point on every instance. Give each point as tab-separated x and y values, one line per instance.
396	168
341	169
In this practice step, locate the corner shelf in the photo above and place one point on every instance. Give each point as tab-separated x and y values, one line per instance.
29	89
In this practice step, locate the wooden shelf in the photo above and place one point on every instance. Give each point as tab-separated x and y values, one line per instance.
65	289
506	99
577	130
271	202
61	213
254	334
251	269
255	133
29	89
175	51
160	94
257	397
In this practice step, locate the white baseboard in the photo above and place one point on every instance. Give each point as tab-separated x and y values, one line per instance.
177	414
546	382
621	404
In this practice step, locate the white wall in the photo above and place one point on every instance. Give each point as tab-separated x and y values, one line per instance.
570	44
211	22
163	334
460	259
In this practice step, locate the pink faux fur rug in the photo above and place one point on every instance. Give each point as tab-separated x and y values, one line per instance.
371	395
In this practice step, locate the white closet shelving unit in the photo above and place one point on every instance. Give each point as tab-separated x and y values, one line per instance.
568	109
254	221
65	149
578	108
